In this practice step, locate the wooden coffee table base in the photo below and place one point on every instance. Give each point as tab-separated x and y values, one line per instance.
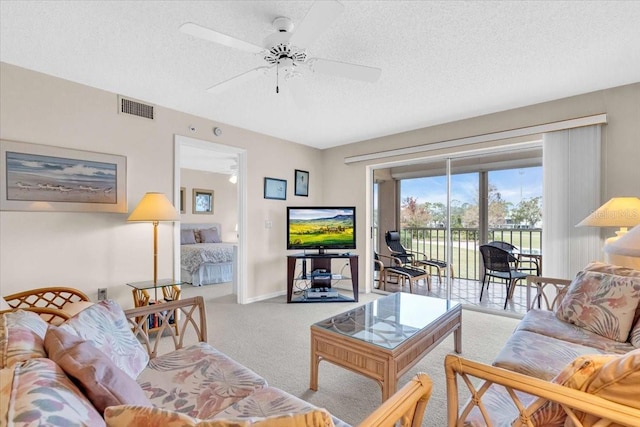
378	363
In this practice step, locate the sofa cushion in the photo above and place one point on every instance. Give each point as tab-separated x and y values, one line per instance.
128	415
21	337
634	335
546	323
199	381
499	407
106	327
42	395
574	375
538	355
269	402
97	376
601	303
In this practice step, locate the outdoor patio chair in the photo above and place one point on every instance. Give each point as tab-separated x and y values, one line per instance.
415	258
525	262
396	273
500	264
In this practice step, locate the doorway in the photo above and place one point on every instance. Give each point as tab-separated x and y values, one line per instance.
218	160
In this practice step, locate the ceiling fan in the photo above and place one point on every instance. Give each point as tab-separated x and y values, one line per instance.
284	51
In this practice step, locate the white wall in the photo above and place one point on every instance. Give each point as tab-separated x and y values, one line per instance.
90	251
225	201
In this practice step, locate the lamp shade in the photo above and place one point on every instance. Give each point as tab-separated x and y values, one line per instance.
154	207
617	212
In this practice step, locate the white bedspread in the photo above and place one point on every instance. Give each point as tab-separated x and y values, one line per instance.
192	256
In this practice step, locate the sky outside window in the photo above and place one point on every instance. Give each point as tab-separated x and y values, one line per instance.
514	185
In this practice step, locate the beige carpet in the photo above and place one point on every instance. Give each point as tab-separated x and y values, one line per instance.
272	338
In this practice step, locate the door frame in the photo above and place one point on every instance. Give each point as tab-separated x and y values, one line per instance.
240	267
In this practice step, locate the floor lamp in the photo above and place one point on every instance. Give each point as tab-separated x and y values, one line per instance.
154	207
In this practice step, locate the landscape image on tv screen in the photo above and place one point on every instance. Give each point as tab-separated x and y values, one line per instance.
330	228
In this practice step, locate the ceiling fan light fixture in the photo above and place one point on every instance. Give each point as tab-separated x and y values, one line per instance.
282	24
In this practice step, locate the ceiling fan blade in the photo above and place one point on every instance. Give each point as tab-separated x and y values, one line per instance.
220	38
344	69
238	80
319	17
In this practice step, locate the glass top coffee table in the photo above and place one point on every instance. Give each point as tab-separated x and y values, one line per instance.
385	338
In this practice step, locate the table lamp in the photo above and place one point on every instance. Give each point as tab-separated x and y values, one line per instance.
154	207
625	251
620	212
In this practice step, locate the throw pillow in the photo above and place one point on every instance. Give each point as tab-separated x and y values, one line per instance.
574	375
210	235
634	336
97	376
187	237
106	327
602	303
21	337
616	380
130	415
42	395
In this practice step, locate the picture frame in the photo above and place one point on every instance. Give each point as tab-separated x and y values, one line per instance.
302	183
183	200
202	201
56	179
275	188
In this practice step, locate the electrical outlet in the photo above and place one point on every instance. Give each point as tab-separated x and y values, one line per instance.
102	294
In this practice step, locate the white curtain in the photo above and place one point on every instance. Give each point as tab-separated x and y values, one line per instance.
571	164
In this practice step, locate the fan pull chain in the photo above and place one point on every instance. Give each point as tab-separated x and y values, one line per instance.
277	76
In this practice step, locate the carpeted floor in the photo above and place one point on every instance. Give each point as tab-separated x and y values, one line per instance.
272	338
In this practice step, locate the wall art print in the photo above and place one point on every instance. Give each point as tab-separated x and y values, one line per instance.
48	178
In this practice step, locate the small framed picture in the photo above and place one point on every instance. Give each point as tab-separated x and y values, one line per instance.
275	188
302	183
183	200
202	201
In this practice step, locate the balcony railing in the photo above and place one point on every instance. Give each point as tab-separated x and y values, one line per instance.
465	243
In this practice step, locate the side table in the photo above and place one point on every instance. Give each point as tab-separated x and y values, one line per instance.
141	297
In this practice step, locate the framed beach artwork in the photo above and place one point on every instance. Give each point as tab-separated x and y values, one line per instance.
48	178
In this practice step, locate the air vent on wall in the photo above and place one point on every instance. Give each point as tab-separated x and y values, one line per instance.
135	108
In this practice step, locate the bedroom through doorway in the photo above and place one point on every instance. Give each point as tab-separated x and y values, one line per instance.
207	183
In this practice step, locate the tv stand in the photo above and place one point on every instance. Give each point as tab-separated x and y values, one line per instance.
320	277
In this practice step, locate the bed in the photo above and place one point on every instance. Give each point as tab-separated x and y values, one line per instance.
204	258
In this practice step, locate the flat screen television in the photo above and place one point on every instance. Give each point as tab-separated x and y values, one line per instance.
321	228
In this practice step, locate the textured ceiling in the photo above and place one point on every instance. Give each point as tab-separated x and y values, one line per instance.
440	61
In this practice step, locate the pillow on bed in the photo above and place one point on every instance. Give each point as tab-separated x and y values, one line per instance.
187	237
210	235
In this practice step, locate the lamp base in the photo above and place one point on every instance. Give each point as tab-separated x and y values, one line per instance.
622	260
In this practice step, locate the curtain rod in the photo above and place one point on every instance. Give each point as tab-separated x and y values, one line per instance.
529	130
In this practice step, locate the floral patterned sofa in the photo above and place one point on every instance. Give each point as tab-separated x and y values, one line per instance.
102	367
571	364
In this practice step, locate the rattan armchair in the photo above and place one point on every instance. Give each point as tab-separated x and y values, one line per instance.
47	302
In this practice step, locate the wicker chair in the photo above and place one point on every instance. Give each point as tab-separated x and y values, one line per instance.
500	264
49	302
